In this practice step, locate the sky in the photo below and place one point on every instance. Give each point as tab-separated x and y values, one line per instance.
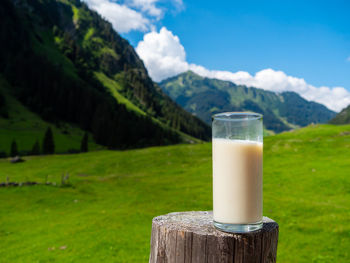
301	46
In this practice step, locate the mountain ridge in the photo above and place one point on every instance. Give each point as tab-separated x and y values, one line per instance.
343	117
67	64
205	96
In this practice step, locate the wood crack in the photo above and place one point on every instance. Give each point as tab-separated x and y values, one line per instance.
191	237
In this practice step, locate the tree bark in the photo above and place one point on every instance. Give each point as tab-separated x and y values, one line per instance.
191	237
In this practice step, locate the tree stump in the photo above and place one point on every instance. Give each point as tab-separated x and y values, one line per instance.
191	237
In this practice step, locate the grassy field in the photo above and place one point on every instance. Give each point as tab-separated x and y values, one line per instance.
105	215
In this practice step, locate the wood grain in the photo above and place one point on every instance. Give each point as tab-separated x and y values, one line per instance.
190	237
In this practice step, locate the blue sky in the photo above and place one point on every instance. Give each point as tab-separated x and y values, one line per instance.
305	40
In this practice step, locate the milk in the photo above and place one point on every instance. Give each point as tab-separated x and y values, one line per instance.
237	181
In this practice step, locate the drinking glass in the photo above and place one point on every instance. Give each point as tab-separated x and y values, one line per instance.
237	171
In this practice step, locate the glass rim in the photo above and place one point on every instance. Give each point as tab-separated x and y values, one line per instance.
237	116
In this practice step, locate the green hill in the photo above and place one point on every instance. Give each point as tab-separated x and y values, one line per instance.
106	212
25	127
67	64
342	117
205	97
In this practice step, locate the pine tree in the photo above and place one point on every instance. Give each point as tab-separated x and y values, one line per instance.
48	142
36	148
14	149
84	143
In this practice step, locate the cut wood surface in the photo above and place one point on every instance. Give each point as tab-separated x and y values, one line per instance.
191	237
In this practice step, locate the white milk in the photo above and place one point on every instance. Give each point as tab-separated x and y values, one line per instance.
237	181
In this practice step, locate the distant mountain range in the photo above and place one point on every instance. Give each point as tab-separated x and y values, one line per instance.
342	117
205	97
63	62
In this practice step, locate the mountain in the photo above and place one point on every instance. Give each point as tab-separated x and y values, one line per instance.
205	97
342	117
26	128
66	64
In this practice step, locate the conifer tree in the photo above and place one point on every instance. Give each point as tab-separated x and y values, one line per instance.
48	142
14	149
36	148
84	143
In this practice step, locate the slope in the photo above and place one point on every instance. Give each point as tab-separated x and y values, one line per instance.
205	97
64	62
25	127
342	117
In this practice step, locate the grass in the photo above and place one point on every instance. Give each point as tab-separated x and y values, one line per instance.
26	127
47	47
75	14
89	34
114	88
106	213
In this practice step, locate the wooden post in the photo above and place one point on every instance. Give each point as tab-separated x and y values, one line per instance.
191	237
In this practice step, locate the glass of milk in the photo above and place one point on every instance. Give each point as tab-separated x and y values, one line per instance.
237	171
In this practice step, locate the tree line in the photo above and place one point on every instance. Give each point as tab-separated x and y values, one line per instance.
47	146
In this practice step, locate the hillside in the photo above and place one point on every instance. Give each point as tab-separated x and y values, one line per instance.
26	128
106	212
66	64
205	97
342	117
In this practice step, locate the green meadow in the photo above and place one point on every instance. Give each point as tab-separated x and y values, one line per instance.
105	213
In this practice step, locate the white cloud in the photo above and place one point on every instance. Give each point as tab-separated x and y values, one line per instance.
148	6
123	18
179	5
128	15
348	59
164	56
